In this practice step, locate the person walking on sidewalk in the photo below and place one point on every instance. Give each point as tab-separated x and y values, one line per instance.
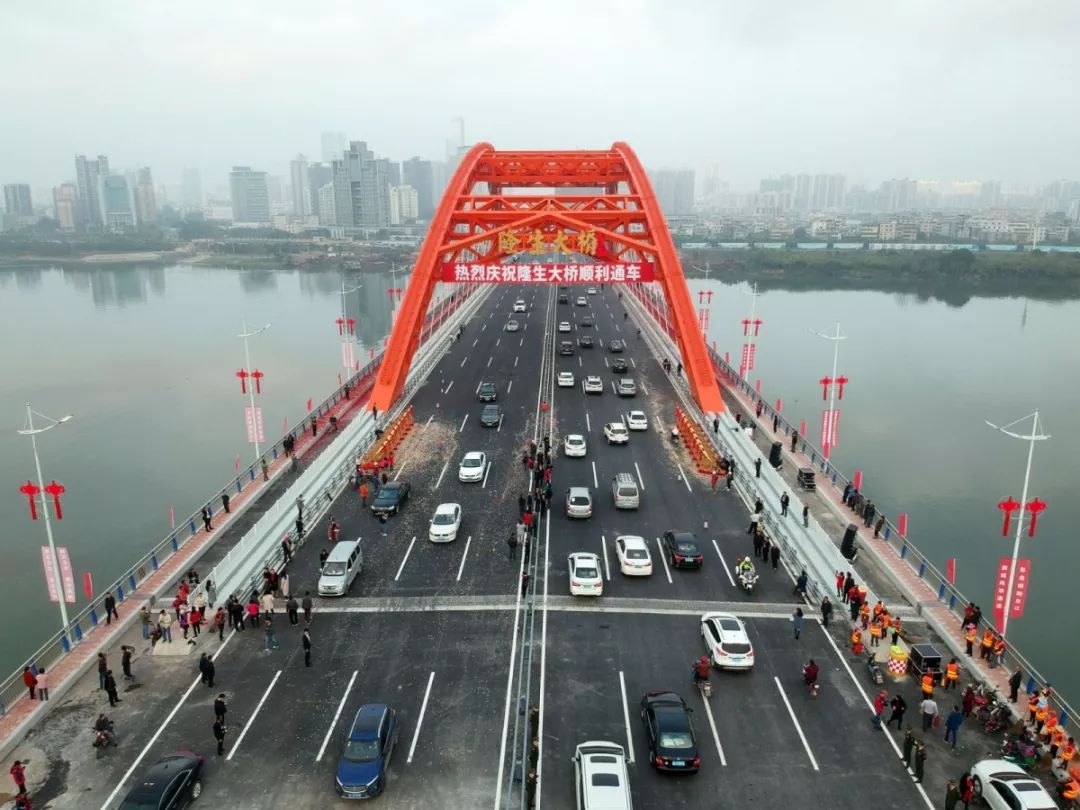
806	517
164	621
757	468
125	661
265	469
219	734
18	774
225	502
879	525
784	501
30	681
42	684
206	515
145	621
1014	685
306	642
219	622
110	608
797	619
774	555
110	688
826	611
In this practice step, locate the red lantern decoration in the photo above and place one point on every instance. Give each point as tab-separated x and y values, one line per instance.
1008	507
56	490
243	375
257	376
745	325
340	326
1034	506
352	325
757	322
29	489
825	381
841	382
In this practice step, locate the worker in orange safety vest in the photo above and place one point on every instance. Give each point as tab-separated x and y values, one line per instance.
864	615
894	622
987	643
970	638
1067	753
952	674
928	685
856	640
1057	739
875	633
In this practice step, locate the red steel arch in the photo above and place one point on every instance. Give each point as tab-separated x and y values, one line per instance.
477	221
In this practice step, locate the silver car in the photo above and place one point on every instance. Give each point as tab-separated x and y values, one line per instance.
578	502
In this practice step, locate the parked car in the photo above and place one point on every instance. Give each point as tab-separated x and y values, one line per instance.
174	781
392	495
369	745
1004	785
670	733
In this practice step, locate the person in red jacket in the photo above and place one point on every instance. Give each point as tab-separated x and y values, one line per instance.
702	670
30	681
18	773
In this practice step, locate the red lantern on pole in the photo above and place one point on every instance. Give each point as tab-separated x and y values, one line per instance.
56	490
1008	507
30	489
340	326
352	325
243	375
745	325
257	376
825	381
757	322
841	381
1034	506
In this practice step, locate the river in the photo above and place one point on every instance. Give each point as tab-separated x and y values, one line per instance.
145	358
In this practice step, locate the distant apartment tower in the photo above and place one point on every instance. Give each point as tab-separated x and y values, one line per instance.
66	205
326	205
300	186
143	196
191	191
420	175
674	190
361	188
87	173
404	204
250	195
319	174
115	203
17	199
333	144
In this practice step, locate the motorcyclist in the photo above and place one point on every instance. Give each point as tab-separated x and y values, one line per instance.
810	672
745	567
675	434
103	728
702	669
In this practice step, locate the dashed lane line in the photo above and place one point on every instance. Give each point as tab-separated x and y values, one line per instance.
685	480
492	357
420	717
487	470
723	562
663	559
401	469
607	566
640	480
515	362
337	716
445	466
595	482
475	342
798	728
428	422
463	421
509	385
254	714
715	735
405	559
588	425
447	391
626	716
463	359
464	556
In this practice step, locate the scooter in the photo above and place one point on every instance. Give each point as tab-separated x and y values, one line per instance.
873	668
103	738
1021	751
747	579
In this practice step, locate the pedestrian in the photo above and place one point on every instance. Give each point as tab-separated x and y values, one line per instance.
286	543
952	725
897	706
236	614
306	641
758	540
225	502
997	655
265	472
363	494
716	425
969	638
1014	685
292	608
145	621
283	585
165	623
219	623
184	620
266	604
314	426
220	707
765	548
840	590
524	582
512	542
879	525
102	668
794	440
268	631
759	506
920	760
30	681
714	478
754	518
967	790
929	711
206	515
826	611
110	608
730	479
757	468
125	661
774	555
797	619
219	734
879	708
323	555
967	701
806	516
521	504
110	688
952	795
847	492
299	529
210	668
18	773
307	605
382	523
784	501
253	612
195	619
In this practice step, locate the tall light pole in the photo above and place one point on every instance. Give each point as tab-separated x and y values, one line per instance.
33	432
244	335
752	322
832	383
347	355
1030	438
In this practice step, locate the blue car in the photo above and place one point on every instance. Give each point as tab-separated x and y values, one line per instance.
361	771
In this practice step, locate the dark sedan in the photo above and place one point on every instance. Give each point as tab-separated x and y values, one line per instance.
566	348
490	416
672	743
619	365
391	497
587	321
585	341
170	784
487	392
682	549
616	346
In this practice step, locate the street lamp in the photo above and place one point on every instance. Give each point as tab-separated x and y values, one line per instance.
754	322
1031	438
832	418
347	355
33	432
244	335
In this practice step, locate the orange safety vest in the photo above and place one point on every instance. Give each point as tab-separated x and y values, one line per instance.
952	672
1072	790
999	647
1068	752
969	636
875	630
878	609
1051	720
1058	737
864	610
1040	714
928	684
988	639
885	618
856	636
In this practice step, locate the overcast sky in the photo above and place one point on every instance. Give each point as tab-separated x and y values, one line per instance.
943	90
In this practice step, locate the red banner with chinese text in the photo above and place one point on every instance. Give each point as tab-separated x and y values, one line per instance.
528	273
1020	588
1001	589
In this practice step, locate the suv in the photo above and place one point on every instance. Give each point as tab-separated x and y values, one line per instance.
361	771
616	433
578	502
564	298
600	776
626	387
619	365
487	392
519	305
566	347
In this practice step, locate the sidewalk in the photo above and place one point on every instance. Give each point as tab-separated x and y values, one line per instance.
23	714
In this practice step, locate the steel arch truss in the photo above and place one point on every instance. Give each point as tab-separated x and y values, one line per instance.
506	204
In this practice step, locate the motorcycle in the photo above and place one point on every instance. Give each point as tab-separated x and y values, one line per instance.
994	715
811	686
104	736
747	579
1020	750
873	668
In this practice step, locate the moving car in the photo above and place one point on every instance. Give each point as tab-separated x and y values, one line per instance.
473	466
565	379
512	326
487	392
626	387
600	776
490	416
616	346
171	783
633	554
616	433
445	523
566	348
574	446
682	549
342	566
564	326
578	502
619	365
637	420
585	579
587	321
594	385
393	494
591	291
519	305
564	298
729	645
581	302
670	734
585	341
1004	785
361	771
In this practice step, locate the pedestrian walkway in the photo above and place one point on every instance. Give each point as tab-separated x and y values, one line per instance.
23	714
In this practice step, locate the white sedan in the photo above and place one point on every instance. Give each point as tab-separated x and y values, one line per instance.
519	305
616	433
591	291
574	445
473	467
585	579
1004	785
445	523
594	385
634	557
512	326
725	636
637	420
564	326
565	379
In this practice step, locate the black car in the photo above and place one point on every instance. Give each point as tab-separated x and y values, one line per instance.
585	341
171	783
487	392
490	416
564	298
682	549
566	347
672	743
586	321
616	346
619	365
391	497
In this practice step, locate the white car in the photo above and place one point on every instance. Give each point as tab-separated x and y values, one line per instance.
585	578
512	326
473	467
519	305
591	291
1004	785
565	379
574	445
578	502
637	420
725	636
581	302
634	557
594	385
445	523
616	433
564	326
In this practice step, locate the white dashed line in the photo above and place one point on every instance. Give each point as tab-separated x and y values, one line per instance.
499	428
515	362
685	480
641	483
663	559
420	717
465	556
254	714
798	728
723	562
447	391
595	482
626	717
487	469
644	390
405	559
497	342
475	342
492	357
588	424
428	422
478	386
445	466
337	716
521	342
463	421
607	567
463	359
509	385
633	362
715	735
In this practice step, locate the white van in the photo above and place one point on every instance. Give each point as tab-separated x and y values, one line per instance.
341	568
625	491
600	778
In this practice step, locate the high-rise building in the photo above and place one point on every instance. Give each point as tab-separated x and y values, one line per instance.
333	144
66	205
404	204
17	199
420	175
86	176
143	196
374	193
674	190
326	205
804	191
191	192
250	195
319	174
300	185
115	203
361	188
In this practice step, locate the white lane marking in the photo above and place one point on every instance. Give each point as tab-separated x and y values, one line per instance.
626	717
478	386
622	418
595	482
447	391
515	362
641	483
715	735
482	328
659	424
523	328
463	421
465	556
633	362
606	362
475	342
617	329
447	464
428	422
723	562
685	480
543	662
607	565
420	717
401	469
509	385
463	359
153	739
616	393
499	428
663	559
497	342
521	342
798	728
337	716
254	714
489	361
405	559
580	364
644	390
487	469
588	425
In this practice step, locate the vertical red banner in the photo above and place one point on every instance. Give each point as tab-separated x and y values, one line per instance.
1020	588
802	427
757	385
901	526
856	480
67	576
825	425
950	570
1001	589
88	585
50	575
745	364
780	405
834	429
753	351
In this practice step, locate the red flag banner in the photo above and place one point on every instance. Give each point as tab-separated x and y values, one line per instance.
172	518
901	526
309	404
950	570
753	351
88	585
856	479
1020	588
573	273
67	576
1001	589
834	428
254	424
50	575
